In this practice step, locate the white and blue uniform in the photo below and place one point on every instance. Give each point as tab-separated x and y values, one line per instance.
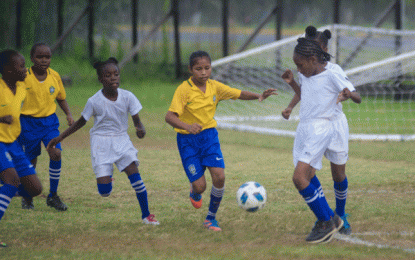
317	130
110	142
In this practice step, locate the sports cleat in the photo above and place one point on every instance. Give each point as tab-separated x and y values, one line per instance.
196	199
2	244
55	202
212	225
338	223
27	205
346	229
322	230
150	220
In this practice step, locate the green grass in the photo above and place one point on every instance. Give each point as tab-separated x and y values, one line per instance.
380	199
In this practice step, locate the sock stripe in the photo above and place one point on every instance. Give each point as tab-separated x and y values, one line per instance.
55	170
5	197
315	196
5	203
136	183
3	209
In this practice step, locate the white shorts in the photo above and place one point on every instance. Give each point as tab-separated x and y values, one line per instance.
312	139
107	150
338	150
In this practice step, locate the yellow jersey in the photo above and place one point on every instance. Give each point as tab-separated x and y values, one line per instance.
194	106
11	104
40	100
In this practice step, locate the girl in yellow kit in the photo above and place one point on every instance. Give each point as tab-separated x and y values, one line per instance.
191	114
39	121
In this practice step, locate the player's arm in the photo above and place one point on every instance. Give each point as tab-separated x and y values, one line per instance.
173	120
294	101
288	77
6	119
346	94
140	131
65	108
247	95
72	129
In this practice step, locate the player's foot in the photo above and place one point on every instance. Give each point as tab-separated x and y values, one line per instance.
27	205
338	223
55	202
150	220
322	230
196	199
346	229
2	244
212	225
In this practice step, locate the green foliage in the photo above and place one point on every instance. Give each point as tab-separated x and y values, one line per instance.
104	51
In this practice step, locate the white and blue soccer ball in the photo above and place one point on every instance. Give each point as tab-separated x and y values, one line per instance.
251	196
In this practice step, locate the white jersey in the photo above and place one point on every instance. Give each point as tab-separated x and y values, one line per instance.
319	94
111	117
336	68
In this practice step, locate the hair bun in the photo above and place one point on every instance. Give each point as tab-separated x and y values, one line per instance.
97	64
310	31
112	60
327	33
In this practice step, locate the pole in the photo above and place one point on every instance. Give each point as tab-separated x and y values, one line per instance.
19	24
60	21
91	28
134	4
175	11
225	27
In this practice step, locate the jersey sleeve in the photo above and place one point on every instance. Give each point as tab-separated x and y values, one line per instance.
88	111
337	69
340	82
134	104
179	101
62	93
225	92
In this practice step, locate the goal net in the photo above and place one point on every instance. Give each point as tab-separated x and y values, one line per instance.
380	63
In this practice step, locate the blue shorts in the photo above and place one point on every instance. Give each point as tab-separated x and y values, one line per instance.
12	156
36	130
200	151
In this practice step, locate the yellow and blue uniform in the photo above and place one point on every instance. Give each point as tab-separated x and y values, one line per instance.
39	120
11	153
193	106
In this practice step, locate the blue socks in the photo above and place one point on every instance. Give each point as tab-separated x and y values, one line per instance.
322	198
7	192
105	189
141	192
54	175
340	192
312	198
215	199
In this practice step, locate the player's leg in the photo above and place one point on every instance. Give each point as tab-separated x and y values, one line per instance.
141	192
190	157
216	195
340	191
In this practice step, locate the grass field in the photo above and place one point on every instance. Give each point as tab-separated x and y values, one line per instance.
380	204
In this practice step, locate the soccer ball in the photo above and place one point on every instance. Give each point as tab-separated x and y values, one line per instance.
251	196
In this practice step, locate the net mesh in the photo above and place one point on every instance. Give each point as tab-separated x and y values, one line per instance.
380	64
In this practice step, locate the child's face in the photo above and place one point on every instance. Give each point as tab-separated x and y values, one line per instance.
41	57
308	66
201	70
17	69
110	77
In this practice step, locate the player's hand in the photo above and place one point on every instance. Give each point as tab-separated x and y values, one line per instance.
344	95
287	112
70	120
288	76
140	132
7	119
194	128
52	143
267	93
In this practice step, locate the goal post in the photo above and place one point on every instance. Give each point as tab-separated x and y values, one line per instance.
383	76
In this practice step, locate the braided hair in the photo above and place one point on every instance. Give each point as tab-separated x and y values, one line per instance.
306	47
6	57
321	37
99	65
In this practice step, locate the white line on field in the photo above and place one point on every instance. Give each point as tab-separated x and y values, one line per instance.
358	241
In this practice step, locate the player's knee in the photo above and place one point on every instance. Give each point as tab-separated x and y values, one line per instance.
199	188
55	154
35	190
105	189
